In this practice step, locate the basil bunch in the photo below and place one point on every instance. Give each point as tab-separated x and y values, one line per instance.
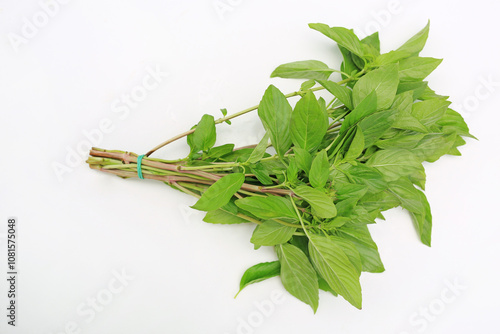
325	169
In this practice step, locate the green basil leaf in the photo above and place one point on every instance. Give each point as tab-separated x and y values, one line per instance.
402	140
268	207
368	176
394	163
381	201
334	266
430	111
261	174
298	275
418	178
343	36
238	155
373	41
350	191
348	66
306	69
221	216
303	159
307	85
275	113
220	192
407	121
428	94
362	240
365	108
259	151
321	203
407	194
357	146
292	170
325	287
309	124
259	273
375	125
434	146
453	121
390	57
423	221
403	102
404	119
203	137
320	170
417	68
271	233
350	251
415	44
383	80
342	93
217	152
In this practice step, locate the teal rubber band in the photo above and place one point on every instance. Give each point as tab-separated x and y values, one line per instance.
139	166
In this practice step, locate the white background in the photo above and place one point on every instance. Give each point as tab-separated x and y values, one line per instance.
78	227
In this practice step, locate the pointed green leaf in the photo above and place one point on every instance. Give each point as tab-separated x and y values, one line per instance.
321	203
303	159
320	170
390	57
375	125
343	36
383	80
357	146
267	207
417	68
417	88
309	123
407	121
334	266
325	287
203	137
368	176
348	66
307	84
259	150
306	69
434	146
394	163
407	194
259	273
221	216
362	240
428	94
298	275
342	93
350	251
404	119
261	174
402	140
430	111
217	152
452	121
423	221
365	108
373	41
292	170
271	233
275	113
415	44
220	192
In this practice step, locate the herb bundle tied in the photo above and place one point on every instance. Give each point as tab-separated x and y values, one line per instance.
325	169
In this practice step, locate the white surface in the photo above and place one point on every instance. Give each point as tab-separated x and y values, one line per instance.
75	233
